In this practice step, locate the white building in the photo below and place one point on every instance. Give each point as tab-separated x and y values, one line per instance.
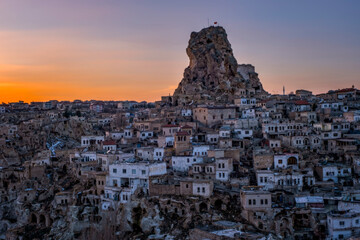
306	142
331	135
115	135
128	133
274	143
145	153
88	157
301	106
224	166
91	140
340	126
244	103
243	133
225	131
143	135
212	138
343	225
201	150
286	160
186	112
314	202
109	145
282	179
133	174
124	178
159	153
248	113
333	172
182	163
332	105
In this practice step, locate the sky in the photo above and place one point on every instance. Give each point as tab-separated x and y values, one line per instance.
135	50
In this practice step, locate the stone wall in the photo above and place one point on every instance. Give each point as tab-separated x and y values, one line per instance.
164	189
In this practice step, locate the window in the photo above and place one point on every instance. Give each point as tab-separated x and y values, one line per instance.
261	179
198	189
115	182
124	171
249	201
266	201
341	223
203	190
114	170
261	201
133	171
280	161
254	201
143	172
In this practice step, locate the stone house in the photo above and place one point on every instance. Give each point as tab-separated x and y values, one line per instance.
209	115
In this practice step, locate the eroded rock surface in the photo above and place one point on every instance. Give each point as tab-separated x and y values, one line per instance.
213	72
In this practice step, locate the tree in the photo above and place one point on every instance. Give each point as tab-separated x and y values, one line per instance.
67	114
314	106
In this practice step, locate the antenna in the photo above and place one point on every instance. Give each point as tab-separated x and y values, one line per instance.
208	22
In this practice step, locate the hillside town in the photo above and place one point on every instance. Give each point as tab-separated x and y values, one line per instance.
221	158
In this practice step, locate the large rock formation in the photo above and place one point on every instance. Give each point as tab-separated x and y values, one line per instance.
213	73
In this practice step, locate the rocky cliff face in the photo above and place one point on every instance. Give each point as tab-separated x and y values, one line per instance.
213	73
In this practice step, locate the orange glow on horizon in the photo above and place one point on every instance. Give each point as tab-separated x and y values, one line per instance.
63	65
73	69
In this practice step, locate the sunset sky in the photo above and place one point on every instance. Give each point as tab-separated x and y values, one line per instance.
135	50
